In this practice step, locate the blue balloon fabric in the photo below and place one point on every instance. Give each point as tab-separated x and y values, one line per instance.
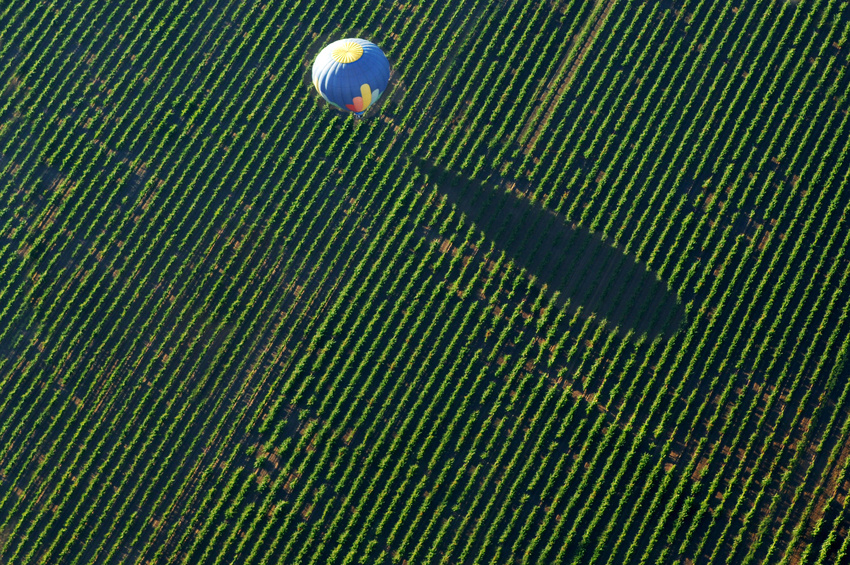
351	74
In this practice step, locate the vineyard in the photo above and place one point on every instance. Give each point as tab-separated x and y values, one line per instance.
575	290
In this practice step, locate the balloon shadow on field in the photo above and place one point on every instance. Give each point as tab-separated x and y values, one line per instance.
589	272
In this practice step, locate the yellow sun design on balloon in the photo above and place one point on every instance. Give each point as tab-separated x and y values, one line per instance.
347	52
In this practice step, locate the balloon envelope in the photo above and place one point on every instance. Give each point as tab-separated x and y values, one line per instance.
351	74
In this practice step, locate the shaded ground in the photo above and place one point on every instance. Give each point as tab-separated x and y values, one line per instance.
589	272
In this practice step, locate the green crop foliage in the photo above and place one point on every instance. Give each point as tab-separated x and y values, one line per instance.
575	290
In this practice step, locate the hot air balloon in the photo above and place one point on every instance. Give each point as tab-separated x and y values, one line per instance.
351	74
